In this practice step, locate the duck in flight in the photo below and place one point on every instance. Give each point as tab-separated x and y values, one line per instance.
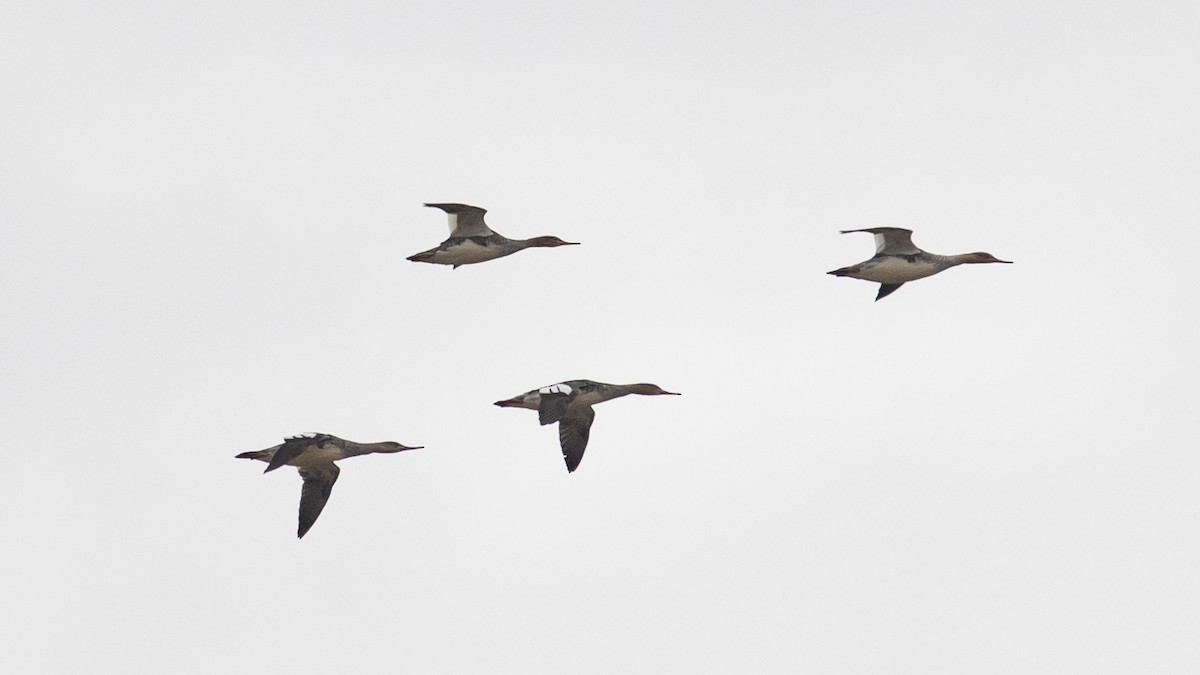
570	404
314	456
472	241
897	261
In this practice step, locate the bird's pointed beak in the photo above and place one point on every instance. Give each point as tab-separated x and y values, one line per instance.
509	403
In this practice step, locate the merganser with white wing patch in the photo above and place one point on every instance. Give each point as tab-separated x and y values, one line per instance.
570	404
897	261
472	241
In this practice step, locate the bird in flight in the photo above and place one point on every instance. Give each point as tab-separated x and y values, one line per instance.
472	241
897	261
314	456
570	404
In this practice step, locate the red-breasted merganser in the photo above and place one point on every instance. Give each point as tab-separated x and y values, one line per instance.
472	241
570	404
315	456
897	261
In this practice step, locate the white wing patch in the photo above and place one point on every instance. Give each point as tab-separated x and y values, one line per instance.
453	222
556	389
880	242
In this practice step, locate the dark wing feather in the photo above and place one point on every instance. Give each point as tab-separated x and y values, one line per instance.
886	290
552	407
318	485
573	433
290	449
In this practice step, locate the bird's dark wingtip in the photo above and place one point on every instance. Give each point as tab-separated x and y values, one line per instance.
886	290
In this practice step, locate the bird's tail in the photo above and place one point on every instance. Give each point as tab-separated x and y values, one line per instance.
845	271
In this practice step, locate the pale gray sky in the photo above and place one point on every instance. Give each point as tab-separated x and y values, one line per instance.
204	218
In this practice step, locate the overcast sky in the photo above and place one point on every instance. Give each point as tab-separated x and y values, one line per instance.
205	210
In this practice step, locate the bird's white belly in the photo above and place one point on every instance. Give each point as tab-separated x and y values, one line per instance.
467	252
896	270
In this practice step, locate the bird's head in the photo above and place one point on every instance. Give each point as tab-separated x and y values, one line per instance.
983	258
650	390
547	242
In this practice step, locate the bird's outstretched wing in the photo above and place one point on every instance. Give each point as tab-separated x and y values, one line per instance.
891	240
318	485
573	433
465	220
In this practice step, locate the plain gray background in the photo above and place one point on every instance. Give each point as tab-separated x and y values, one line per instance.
205	209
